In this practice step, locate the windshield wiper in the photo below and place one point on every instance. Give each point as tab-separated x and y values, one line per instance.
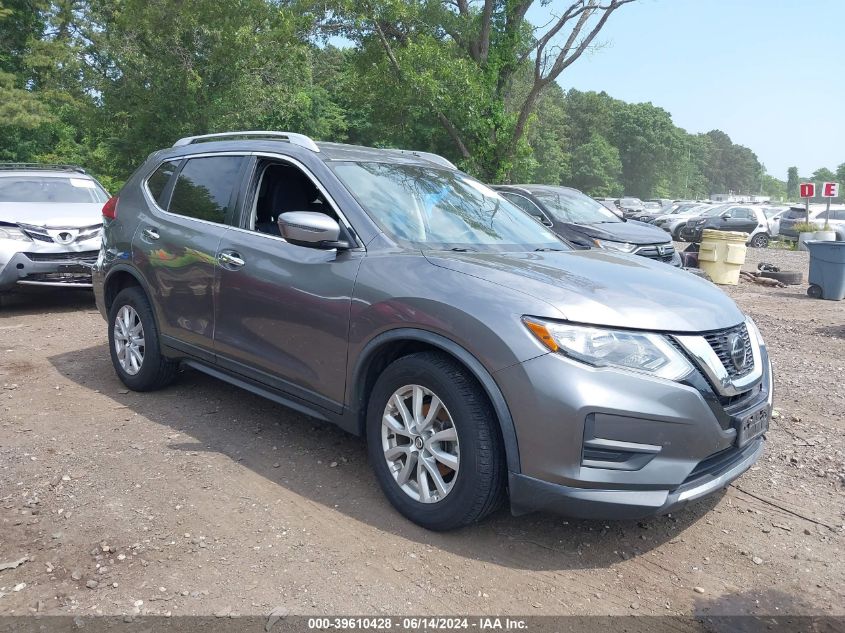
547	249
462	249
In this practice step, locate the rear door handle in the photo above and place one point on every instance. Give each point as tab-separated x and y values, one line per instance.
231	259
151	234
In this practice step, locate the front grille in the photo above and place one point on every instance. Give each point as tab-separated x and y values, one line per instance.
58	278
653	252
86	256
720	342
37	235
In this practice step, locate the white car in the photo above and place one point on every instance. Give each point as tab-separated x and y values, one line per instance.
50	225
773	215
673	222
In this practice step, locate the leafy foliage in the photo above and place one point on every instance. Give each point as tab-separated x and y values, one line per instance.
103	83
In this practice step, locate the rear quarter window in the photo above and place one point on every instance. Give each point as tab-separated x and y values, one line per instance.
157	183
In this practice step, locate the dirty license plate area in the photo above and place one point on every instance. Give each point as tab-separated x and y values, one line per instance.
74	269
752	425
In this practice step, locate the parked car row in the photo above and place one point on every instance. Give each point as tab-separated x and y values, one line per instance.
586	223
818	216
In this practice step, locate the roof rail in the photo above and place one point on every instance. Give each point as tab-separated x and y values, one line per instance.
291	137
429	156
42	166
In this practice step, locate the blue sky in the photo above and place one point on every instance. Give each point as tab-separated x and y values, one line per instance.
769	73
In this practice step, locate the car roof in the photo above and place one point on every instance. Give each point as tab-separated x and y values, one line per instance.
294	144
42	170
530	188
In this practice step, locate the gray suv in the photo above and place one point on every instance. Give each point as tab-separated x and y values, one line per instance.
389	293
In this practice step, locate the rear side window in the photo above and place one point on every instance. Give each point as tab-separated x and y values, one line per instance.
204	187
157	183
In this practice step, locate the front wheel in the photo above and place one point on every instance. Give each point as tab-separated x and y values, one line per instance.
134	343
434	443
761	240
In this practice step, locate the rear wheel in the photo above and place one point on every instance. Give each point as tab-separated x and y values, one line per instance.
433	442
815	291
134	343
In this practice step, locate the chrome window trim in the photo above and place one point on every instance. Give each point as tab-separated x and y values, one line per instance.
707	360
178	159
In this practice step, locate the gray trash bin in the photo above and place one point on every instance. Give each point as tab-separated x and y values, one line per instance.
827	270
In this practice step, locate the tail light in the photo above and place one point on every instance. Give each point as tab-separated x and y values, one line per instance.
110	208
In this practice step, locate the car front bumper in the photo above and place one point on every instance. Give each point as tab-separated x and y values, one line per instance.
691	234
31	264
604	443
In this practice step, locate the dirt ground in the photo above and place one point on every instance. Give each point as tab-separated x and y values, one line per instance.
205	499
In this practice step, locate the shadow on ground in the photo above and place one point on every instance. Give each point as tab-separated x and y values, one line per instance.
245	428
40	300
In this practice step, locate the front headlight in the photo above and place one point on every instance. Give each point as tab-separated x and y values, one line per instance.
622	247
13	233
636	351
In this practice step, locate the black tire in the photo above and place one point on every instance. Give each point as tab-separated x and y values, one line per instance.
156	370
478	487
815	291
676	235
788	277
761	240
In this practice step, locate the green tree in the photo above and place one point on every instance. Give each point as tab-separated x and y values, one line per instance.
596	169
452	63
792	181
774	188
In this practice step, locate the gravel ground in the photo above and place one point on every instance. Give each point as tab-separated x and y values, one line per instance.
204	499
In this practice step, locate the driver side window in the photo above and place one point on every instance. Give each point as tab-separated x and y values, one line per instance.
281	188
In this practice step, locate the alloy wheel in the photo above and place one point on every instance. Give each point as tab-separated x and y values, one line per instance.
129	340
420	443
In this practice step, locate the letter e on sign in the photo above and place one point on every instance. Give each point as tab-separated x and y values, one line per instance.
830	190
808	190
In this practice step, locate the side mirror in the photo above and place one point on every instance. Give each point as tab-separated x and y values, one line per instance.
311	228
725	215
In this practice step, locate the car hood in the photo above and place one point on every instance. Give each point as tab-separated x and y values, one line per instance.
52	215
631	231
604	288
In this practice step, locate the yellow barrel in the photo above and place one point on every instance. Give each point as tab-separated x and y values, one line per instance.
722	254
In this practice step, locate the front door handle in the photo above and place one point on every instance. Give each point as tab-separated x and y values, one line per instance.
151	234
230	258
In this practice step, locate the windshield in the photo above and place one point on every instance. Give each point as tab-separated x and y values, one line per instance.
51	189
567	205
441	209
653	206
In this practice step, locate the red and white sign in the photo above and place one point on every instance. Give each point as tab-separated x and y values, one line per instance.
830	190
808	190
